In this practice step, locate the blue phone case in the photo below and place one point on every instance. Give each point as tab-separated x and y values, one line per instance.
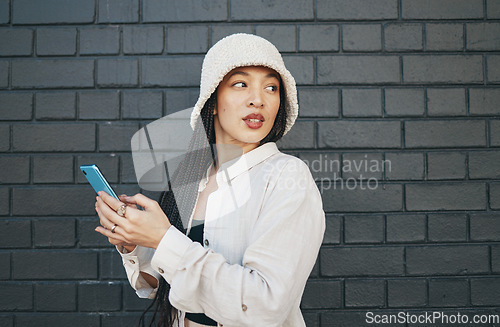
97	180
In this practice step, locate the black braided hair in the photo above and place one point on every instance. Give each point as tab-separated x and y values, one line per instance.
192	168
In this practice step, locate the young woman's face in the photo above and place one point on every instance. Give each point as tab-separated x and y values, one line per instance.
248	99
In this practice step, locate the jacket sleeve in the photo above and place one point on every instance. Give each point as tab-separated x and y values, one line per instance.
135	262
282	251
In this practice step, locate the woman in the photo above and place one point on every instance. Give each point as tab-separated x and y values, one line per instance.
258	213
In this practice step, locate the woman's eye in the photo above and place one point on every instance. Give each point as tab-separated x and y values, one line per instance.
239	84
272	88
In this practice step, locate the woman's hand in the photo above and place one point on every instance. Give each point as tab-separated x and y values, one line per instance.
138	227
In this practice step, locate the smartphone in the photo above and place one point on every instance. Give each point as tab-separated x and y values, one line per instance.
97	180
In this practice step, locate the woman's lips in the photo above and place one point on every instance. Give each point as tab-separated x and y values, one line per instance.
254	120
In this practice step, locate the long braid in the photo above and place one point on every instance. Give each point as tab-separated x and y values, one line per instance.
192	168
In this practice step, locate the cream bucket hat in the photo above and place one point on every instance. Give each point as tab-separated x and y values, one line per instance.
238	50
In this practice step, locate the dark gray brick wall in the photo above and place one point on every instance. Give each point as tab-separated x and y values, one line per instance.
398	122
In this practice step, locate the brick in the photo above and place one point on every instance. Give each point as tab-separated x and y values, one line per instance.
483	36
446	102
446	9
122	319
99	105
18	169
362	37
404	102
448	292
180	99
16	106
116	136
53	169
485	226
319	38
300	9
493	64
362	261
456	196
443	69
359	134
460	260
54	137
171	71
55	297
444	37
99	296
318	102
53	11
445	133
56	41
142	105
405	228
183	11
405	166
361	103
117	72
323	165
127	172
131	302
118	11
484	291
4	201
55	106
4	138
484	165
16	297
57	319
447	227
15	234
362	166
322	295
56	201
7	321
4	11
493	7
100	40
301	68
360	198
357	9
446	165
484	102
111	267
495	195
53	73
143	39
300	136
88	237
495	258
406	293
494	132
5	268
358	69
16	42
221	31
187	39
284	37
364	229
364	293
403	37
54	265
4	73
108	165
333	229
54	233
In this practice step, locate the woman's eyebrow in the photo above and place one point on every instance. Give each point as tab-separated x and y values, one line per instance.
239	72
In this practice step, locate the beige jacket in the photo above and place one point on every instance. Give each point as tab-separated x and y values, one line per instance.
264	226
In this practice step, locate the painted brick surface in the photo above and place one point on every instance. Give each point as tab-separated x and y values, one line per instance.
398	123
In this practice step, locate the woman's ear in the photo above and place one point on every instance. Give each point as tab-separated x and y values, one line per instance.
215	108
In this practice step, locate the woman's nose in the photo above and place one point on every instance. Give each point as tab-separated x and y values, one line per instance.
255	99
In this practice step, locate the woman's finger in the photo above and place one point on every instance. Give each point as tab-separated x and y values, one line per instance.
110	201
109	234
110	213
141	200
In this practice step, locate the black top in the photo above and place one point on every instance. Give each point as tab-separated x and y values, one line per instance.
196	235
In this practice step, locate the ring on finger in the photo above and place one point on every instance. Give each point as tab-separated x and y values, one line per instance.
113	228
121	210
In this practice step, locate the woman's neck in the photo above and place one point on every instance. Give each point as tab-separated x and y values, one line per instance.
228	152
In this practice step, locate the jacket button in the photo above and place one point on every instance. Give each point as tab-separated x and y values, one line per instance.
206	242
160	270
132	262
244	307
